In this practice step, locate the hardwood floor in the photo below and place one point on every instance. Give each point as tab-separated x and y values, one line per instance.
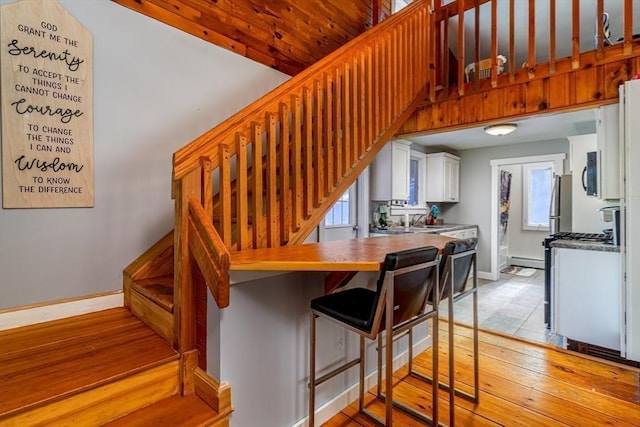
521	384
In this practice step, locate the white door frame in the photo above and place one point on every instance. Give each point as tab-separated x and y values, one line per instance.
557	159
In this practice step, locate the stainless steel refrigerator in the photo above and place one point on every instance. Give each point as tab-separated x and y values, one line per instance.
560	206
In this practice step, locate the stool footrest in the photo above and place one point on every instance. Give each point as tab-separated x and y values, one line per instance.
337	371
405	408
460	393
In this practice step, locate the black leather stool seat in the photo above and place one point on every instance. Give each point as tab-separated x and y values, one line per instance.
351	306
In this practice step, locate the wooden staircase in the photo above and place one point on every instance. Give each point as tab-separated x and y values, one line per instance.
103	368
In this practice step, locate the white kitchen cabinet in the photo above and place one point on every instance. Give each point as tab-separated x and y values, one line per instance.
465	233
390	172
586	287
443	181
609	170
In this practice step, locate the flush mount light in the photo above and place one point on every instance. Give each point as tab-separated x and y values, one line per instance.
501	129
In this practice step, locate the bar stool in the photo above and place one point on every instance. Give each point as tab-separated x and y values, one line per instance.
399	303
457	261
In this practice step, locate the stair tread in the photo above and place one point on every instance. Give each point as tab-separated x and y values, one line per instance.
158	290
50	361
174	411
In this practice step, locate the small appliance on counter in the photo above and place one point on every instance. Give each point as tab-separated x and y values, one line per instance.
611	214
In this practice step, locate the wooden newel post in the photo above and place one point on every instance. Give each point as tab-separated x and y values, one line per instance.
184	292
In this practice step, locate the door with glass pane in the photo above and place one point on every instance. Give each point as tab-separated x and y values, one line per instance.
341	221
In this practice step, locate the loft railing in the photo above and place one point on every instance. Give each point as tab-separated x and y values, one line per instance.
535	38
266	176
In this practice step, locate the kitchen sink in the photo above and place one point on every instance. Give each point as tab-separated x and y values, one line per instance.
392	231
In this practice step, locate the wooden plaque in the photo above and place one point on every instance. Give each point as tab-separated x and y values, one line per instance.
46	75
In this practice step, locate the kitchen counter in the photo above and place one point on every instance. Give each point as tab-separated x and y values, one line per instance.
433	229
589	246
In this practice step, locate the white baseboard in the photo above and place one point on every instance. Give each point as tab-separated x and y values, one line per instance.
485	275
344	399
15	318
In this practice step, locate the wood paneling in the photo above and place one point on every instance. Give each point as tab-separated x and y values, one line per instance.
283	34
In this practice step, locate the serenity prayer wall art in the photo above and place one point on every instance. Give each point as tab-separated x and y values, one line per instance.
47	107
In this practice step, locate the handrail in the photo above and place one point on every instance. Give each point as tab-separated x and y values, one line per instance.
266	176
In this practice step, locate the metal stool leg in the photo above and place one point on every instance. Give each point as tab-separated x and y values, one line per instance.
312	371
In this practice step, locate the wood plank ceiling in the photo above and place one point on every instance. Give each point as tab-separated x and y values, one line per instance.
288	35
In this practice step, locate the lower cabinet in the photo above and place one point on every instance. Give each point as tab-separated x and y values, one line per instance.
587	296
465	233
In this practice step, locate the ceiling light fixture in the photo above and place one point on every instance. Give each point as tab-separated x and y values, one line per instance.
500	129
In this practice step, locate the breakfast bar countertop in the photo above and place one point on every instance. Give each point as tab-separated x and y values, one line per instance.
342	255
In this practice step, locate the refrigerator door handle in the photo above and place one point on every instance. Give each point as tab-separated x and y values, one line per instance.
584	174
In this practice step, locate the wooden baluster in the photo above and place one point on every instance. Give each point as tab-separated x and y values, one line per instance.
328	135
532	38
512	43
362	105
273	218
429	31
494	43
387	66
575	40
552	36
376	96
476	37
353	107
628	27
414	46
461	55
242	191
225	195
319	142
296	163
382	84
307	153
407	58
445	54
368	98
346	124
259	226
397	71
285	191
206	186
337	124
599	30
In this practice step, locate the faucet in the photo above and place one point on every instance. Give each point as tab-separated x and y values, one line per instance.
414	220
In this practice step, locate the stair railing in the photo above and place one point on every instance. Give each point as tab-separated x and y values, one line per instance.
494	37
266	176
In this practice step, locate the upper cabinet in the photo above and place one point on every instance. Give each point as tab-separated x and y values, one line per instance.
443	182
390	172
609	161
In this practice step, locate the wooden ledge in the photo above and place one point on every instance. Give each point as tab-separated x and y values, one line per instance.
344	255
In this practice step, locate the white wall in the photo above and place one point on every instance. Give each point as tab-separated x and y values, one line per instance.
155	89
475	187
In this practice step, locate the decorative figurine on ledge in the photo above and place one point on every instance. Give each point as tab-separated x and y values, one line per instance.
432	215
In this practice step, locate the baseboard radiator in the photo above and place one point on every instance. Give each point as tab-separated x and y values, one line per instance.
526	262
